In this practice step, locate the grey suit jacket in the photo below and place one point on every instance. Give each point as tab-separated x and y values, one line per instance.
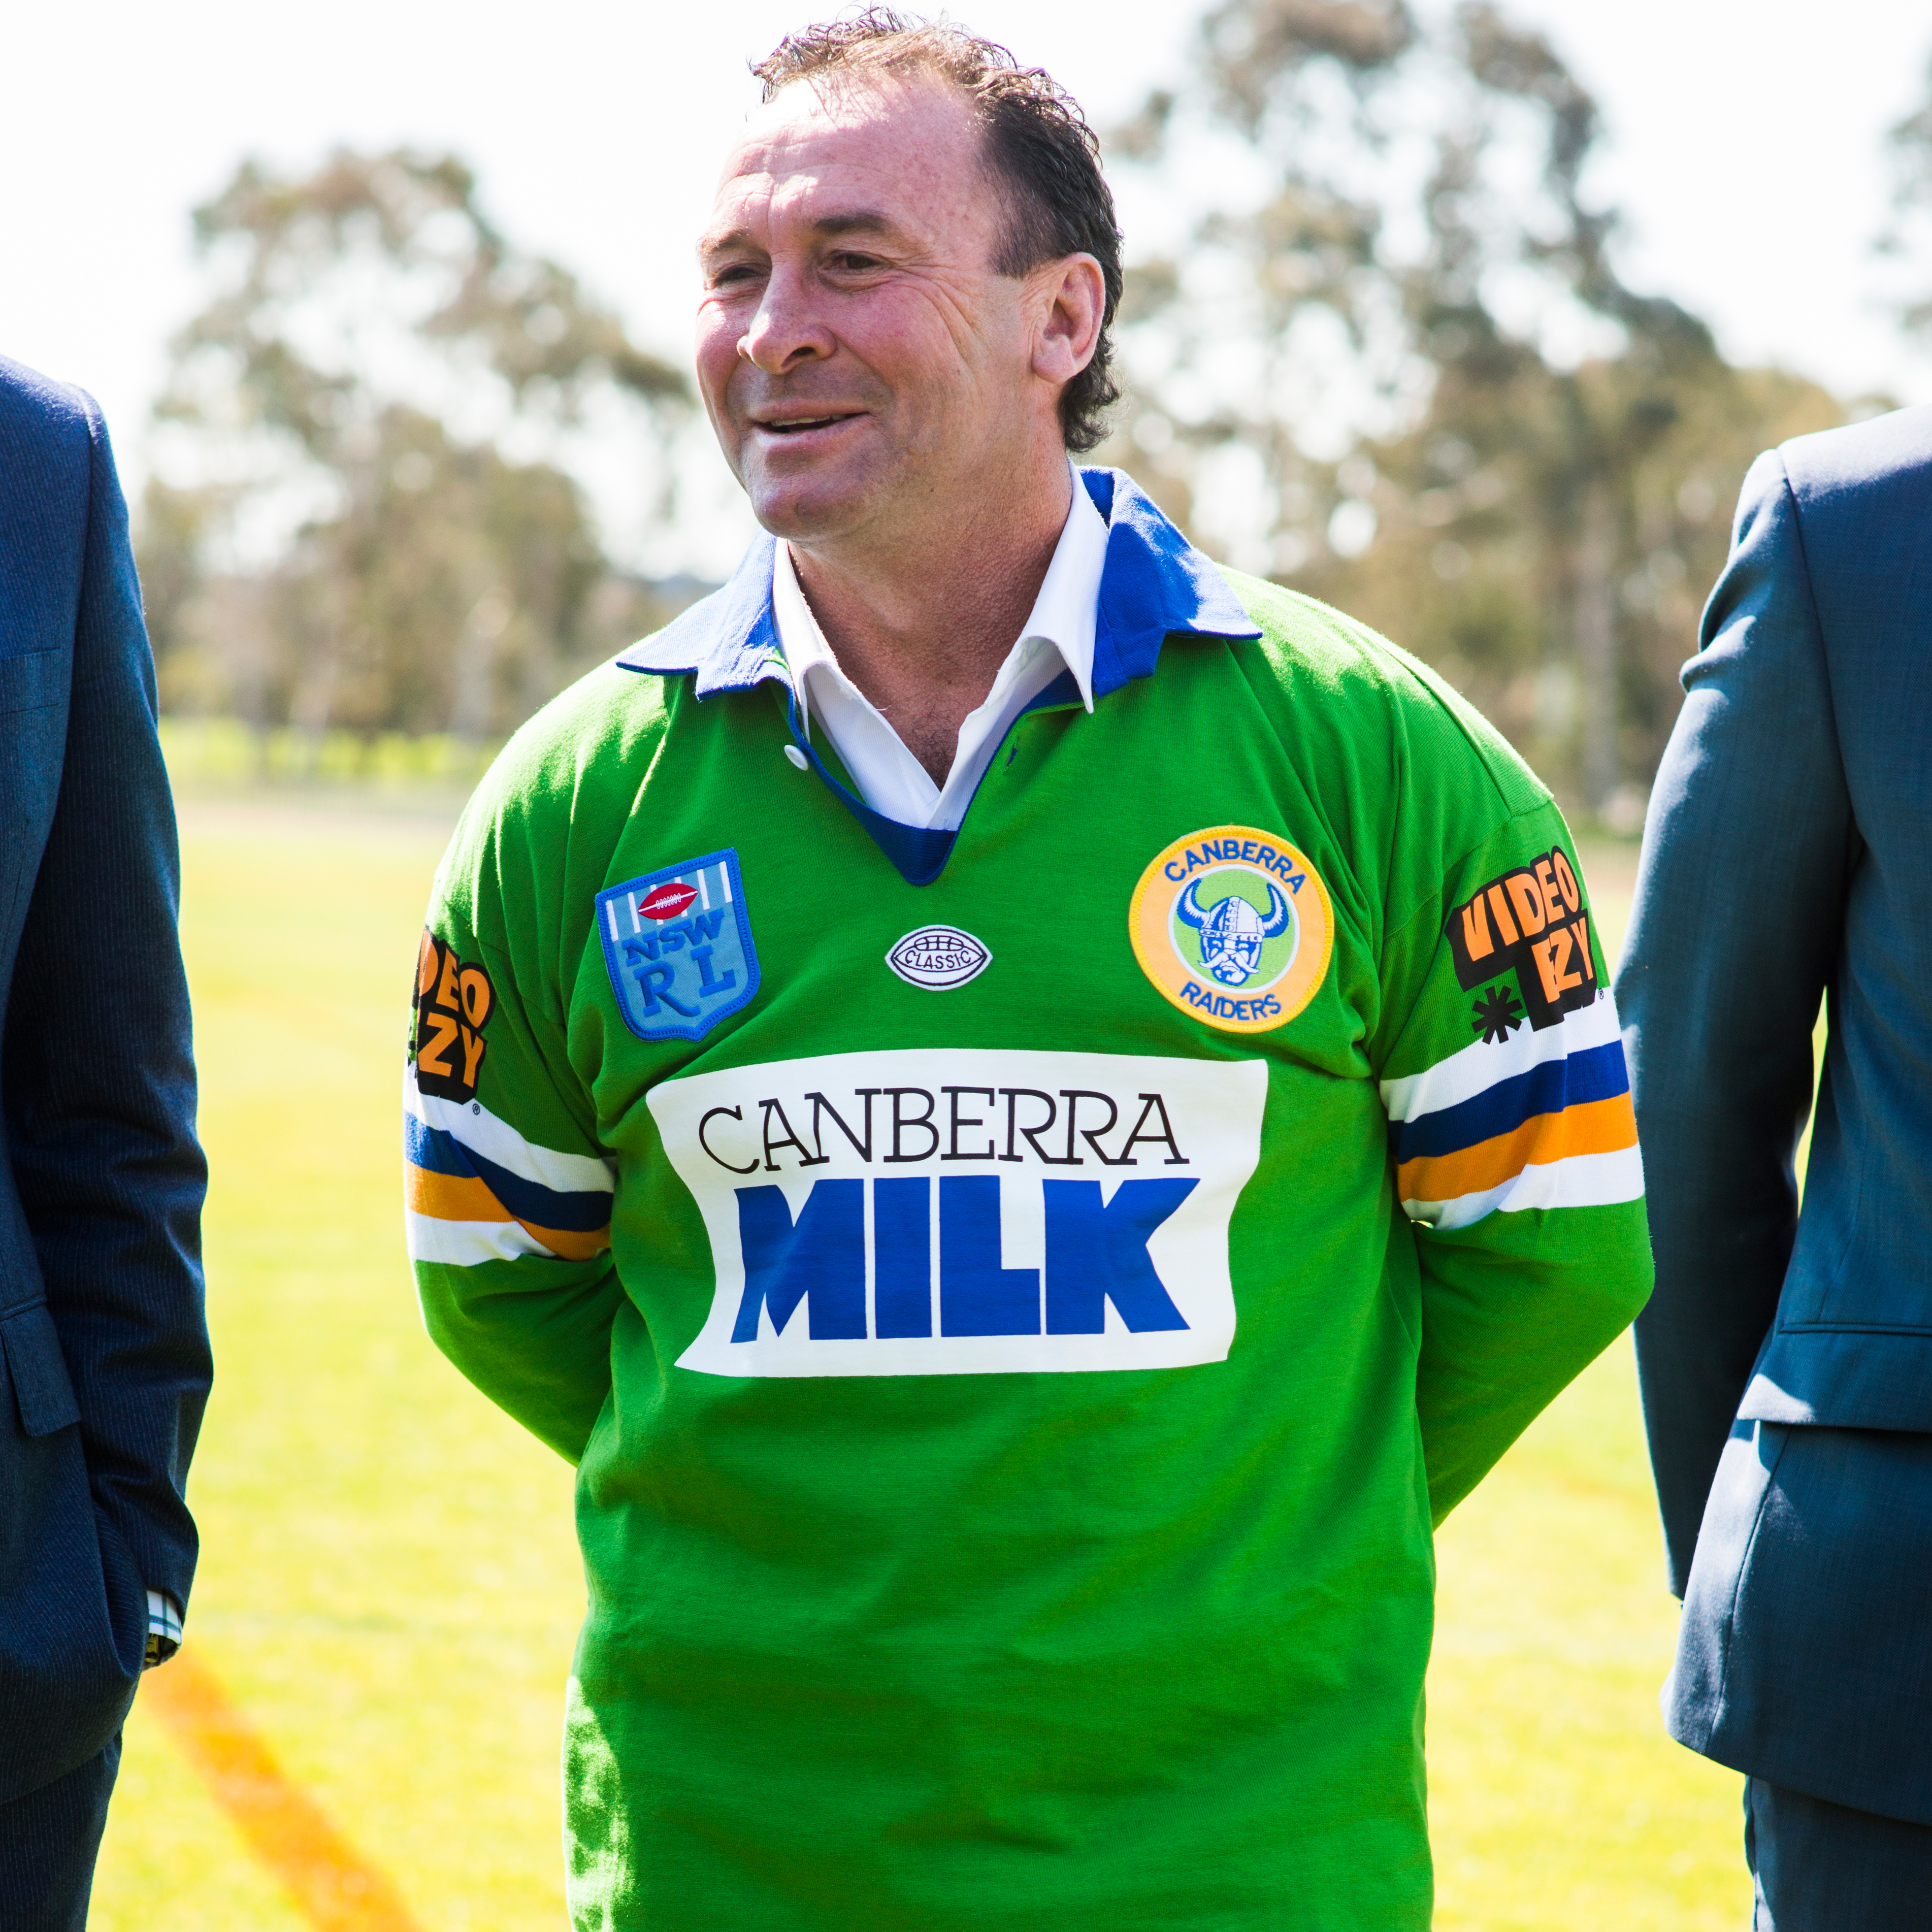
103	1353
1786	1358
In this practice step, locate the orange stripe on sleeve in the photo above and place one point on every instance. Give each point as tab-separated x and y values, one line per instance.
1594	1127
455	1197
571	1244
451	1197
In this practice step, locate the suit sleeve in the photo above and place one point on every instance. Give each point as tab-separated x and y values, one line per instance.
1513	1144
508	1193
100	1081
1736	926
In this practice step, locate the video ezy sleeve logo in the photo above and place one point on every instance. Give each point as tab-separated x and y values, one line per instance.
1532	921
453	1003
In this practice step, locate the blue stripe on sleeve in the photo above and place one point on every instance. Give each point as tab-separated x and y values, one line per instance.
1596	1073
438	1152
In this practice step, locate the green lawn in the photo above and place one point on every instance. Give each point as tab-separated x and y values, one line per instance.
390	1589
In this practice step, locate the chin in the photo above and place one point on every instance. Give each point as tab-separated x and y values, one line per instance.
806	507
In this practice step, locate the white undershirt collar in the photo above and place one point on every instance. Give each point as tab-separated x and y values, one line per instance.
1057	636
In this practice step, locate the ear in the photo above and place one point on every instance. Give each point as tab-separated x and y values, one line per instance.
1072	297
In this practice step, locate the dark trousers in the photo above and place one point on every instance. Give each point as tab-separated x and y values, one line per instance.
48	1840
1817	1867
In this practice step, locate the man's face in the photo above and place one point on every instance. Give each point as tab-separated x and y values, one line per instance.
856	352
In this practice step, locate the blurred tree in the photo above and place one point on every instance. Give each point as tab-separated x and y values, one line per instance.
358	519
1393	364
1908	235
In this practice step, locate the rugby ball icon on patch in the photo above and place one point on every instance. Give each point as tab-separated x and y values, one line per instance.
1233	926
938	958
666	900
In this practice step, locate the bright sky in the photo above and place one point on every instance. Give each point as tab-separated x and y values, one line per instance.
1744	141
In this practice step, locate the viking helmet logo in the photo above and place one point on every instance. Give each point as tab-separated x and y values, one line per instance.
1232	932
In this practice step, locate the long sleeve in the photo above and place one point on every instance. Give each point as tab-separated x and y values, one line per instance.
1736	925
1513	1144
508	1195
99	1079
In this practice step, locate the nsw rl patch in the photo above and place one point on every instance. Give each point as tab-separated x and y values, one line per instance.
1531	923
1233	926
678	946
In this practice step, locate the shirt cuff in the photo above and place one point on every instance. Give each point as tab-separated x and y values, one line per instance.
164	1629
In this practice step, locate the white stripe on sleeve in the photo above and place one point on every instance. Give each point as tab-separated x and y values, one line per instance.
495	1140
1476	1068
1577	1181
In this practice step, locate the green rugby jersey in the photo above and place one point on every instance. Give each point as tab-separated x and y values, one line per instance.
1017	1299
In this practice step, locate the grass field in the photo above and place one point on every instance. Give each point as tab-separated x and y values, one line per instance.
389	1587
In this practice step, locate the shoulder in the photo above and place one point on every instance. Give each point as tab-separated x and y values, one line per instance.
590	745
1845	514
1350	687
32	405
1881	455
550	810
1833	487
48	432
1408	776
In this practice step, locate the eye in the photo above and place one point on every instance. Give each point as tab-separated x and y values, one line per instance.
854	263
733	274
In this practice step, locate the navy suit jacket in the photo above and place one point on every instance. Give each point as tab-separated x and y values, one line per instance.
1786	1358
103	1350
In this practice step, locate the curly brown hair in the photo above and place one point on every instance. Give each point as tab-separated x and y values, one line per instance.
1037	144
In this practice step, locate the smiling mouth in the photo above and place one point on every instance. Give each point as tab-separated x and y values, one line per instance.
798	425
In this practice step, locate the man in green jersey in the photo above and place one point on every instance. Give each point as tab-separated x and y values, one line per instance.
1029	1110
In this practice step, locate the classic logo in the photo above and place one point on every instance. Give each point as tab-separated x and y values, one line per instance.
453	1003
939	957
677	944
1532	922
965	1211
1234	926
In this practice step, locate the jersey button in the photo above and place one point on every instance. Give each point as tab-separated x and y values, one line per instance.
797	757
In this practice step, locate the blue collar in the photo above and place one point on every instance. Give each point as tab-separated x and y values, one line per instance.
1155	585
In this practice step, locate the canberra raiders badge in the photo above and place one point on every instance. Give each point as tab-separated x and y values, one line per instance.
1234	926
677	943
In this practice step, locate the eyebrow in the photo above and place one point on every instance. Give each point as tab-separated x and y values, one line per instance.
857	221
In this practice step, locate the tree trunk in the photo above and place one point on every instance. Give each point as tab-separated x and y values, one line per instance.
1596	633
472	685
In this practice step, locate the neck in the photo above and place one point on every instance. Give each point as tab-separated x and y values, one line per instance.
922	622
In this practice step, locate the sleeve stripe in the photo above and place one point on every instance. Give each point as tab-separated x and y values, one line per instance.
448	1197
432	1150
479	1131
451	1197
1594	1127
467	1244
1597	1073
1480	1065
1583	1180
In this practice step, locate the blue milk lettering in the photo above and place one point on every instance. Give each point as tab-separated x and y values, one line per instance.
977	1296
1097	1252
902	1257
819	1259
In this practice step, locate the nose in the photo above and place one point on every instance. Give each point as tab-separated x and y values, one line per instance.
786	331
